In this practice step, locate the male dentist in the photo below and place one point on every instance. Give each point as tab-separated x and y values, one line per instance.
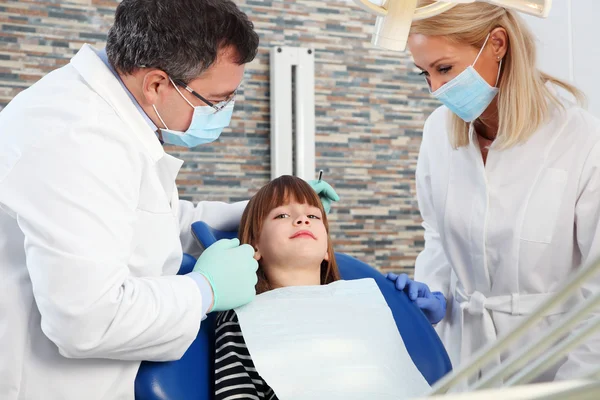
91	228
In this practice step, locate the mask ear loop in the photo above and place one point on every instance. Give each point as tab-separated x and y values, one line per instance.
499	69
481	50
181	94
159	117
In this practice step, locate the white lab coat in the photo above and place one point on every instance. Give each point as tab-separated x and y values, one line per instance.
90	229
503	237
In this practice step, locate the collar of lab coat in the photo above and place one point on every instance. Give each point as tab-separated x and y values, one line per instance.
102	55
95	72
102	81
552	107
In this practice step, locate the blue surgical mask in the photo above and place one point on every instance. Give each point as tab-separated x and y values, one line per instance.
206	126
468	94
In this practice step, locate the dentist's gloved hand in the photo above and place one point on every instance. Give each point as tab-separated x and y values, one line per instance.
230	269
325	192
433	305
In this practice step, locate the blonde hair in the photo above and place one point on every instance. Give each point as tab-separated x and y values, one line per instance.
520	79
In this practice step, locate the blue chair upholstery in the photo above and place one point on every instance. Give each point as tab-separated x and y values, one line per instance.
192	377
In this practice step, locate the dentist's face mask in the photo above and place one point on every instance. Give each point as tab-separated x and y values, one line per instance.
207	123
468	94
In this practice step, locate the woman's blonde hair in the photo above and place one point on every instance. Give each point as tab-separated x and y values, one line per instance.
278	192
520	79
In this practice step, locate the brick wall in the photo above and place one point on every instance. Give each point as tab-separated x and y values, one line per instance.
370	109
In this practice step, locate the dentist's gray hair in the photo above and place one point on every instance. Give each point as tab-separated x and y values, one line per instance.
524	100
179	37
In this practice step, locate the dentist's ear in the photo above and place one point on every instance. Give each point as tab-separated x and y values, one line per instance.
154	82
326	258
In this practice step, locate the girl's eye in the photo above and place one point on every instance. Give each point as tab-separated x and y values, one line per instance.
424	73
281	216
313	216
444	70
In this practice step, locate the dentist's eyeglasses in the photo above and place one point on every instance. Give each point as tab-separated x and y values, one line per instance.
217	107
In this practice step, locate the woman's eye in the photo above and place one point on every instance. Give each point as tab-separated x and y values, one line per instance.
281	216
444	70
424	73
314	216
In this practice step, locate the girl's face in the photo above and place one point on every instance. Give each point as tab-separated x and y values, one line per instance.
293	236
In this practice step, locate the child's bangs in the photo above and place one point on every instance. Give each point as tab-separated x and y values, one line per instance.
287	189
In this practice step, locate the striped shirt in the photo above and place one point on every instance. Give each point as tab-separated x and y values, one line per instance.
235	374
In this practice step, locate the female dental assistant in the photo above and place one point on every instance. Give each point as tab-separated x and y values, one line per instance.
508	182
91	227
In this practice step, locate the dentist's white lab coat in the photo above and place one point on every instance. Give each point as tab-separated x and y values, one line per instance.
503	237
90	224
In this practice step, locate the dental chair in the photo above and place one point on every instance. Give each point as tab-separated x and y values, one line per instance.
192	377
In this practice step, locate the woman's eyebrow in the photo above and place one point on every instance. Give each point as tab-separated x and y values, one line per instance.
435	62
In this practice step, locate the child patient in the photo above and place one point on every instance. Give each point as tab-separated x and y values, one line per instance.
286	224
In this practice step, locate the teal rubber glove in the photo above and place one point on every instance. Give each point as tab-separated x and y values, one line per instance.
230	269
325	192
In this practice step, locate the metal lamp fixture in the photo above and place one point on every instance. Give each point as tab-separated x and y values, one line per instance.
394	17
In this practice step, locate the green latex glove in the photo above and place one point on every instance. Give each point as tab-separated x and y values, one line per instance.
325	192
230	269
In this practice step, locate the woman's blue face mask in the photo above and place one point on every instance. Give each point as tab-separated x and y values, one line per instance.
207	124
468	94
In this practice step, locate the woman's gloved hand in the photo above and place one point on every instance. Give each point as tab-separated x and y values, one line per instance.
230	269
433	305
325	192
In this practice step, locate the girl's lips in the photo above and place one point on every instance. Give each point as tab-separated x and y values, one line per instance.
303	234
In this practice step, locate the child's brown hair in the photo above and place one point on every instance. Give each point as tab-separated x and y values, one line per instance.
278	192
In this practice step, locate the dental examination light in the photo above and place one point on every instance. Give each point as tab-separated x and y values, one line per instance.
394	17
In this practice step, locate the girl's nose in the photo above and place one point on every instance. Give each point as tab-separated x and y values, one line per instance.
303	220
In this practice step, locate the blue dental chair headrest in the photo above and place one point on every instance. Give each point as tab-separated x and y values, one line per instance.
192	377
